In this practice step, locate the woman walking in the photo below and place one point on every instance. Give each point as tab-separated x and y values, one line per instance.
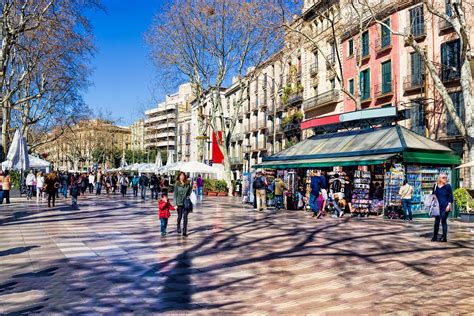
444	194
6	186
51	186
39	186
182	190
123	184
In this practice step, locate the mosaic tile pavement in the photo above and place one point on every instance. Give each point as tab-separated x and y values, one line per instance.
107	257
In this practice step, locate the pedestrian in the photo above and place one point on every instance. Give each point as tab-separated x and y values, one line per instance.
238	187
123	184
182	190
260	184
165	184
406	192
91	182
108	183
164	207
135	183
280	187
39	186
315	185
64	184
99	179
6	186
51	185
74	187
84	183
30	180
114	181
154	187
444	194
144	182
322	202
199	185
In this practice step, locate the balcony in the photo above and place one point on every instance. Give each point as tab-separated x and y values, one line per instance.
315	81
262	146
262	124
418	31
363	57
236	160
323	99
280	106
254	106
263	103
383	44
383	90
294	99
445	26
278	129
365	96
330	61
313	70
412	83
292	128
450	75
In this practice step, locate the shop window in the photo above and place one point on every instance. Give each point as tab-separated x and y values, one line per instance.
385	37
365	43
387	77
365	84
351	86
417	116
458	102
450	60
350	47
416	67
417	21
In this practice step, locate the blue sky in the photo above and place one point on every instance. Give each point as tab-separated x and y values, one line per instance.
123	78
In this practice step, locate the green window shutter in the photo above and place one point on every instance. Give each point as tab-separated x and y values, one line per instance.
385	34
365	43
351	47
416	68
365	84
351	86
387	77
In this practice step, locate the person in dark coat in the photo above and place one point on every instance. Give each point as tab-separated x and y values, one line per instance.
182	190
444	194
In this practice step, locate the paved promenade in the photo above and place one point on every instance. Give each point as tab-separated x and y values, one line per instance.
107	257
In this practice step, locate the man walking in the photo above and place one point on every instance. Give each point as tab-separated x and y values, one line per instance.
316	184
30	181
199	183
279	188
64	184
98	183
135	183
91	183
260	184
143	185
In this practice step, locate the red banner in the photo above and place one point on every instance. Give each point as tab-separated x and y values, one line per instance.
217	156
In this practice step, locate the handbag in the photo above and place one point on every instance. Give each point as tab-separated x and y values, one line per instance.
188	205
431	204
193	198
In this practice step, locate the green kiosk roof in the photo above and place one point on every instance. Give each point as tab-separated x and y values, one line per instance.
362	147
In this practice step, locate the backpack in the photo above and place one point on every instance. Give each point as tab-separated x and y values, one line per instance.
336	186
259	183
135	181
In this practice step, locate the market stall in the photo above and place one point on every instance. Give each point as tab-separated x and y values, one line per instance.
374	161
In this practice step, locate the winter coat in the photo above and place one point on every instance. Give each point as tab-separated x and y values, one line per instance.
164	209
279	186
181	191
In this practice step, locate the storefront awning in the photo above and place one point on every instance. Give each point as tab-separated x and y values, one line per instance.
362	146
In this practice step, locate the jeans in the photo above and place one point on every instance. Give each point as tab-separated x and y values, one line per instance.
1	196
407	208
135	191
164	224
30	192
313	203
443	217
154	193
261	199
123	190
91	188
64	190
182	214
199	193
98	188
143	192
278	201
51	196
334	204
39	194
74	200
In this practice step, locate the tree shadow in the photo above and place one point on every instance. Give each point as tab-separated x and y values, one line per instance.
16	250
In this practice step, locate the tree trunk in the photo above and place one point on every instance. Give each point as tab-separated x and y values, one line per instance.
227	170
5	128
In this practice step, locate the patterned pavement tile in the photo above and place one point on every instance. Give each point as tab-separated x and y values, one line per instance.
107	257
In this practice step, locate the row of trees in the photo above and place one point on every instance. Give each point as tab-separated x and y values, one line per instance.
45	49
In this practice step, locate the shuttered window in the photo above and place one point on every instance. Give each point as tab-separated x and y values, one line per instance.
385	38
416	66
458	101
365	84
365	43
387	76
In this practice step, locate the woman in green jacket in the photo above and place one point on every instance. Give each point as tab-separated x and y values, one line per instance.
182	190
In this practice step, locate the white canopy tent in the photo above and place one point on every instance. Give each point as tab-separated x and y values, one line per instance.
17	156
466	165
38	163
194	167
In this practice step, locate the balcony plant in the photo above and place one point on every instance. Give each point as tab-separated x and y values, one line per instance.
221	187
465	202
209	187
297	116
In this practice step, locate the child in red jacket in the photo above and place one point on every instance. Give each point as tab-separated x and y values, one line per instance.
164	207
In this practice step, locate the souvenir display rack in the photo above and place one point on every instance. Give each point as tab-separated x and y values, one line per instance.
393	181
360	192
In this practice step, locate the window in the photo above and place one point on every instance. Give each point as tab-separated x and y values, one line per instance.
333	51
333	83
417	116
450	60
351	86
365	84
458	102
417	71
417	24
448	8
351	47
385	38
365	43
386	77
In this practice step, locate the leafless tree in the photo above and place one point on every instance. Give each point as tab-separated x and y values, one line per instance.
208	42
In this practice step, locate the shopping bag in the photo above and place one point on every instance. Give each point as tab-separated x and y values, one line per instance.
431	204
187	204
193	198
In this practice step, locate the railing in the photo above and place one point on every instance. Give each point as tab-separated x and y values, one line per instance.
315	81
262	124
330	61
322	99
444	25
413	82
313	70
236	160
280	106
254	106
448	75
365	95
239	137
295	98
262	145
417	30
292	127
383	89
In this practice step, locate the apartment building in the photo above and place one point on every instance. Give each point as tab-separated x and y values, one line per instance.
87	143
161	122
138	135
185	138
